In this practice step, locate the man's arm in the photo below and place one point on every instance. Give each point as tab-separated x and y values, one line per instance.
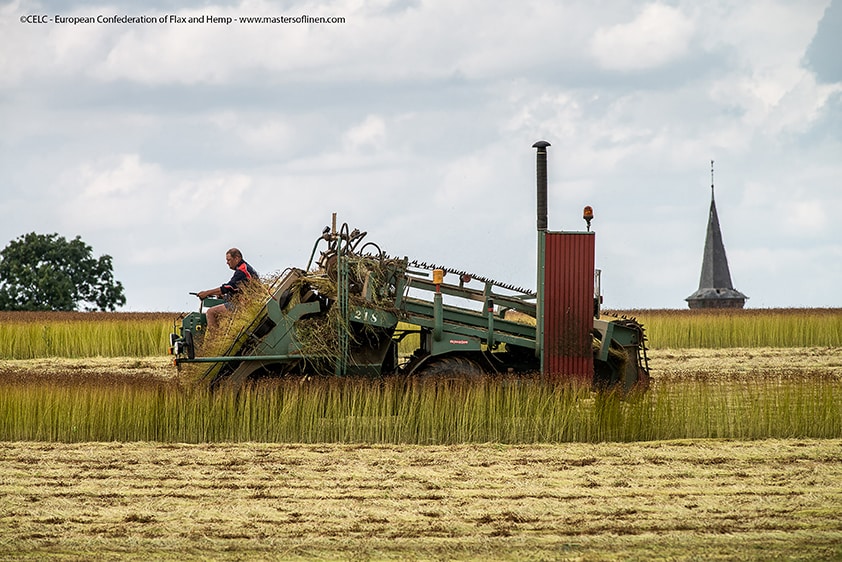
215	292
233	286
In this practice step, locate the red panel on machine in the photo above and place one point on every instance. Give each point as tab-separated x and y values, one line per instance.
568	304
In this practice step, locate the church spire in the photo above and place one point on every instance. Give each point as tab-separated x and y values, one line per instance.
715	287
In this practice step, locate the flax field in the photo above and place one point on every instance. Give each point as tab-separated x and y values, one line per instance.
760	393
108	452
32	335
779	327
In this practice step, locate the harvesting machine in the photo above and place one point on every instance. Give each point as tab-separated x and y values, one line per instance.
356	311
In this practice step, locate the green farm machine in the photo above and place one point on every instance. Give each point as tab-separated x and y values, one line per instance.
356	311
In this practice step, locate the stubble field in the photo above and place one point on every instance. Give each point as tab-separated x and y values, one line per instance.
672	500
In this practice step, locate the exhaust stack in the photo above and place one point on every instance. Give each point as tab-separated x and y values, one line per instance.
541	165
541	174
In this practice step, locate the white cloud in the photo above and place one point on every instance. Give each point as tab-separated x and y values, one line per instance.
807	217
214	198
266	133
113	194
793	212
380	41
658	35
126	176
762	35
767	81
371	132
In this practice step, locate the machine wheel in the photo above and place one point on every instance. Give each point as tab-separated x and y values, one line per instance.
189	344
448	369
608	374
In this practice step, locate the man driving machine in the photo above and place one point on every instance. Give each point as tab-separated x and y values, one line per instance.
243	273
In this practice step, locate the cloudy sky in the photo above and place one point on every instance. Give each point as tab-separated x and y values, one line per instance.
164	144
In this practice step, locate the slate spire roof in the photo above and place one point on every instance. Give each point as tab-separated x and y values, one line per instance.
715	287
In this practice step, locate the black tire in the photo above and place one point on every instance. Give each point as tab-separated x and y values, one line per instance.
449	369
189	344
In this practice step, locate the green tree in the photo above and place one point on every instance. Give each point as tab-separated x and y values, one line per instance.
46	272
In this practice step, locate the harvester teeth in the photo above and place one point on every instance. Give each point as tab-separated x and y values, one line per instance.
480	278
